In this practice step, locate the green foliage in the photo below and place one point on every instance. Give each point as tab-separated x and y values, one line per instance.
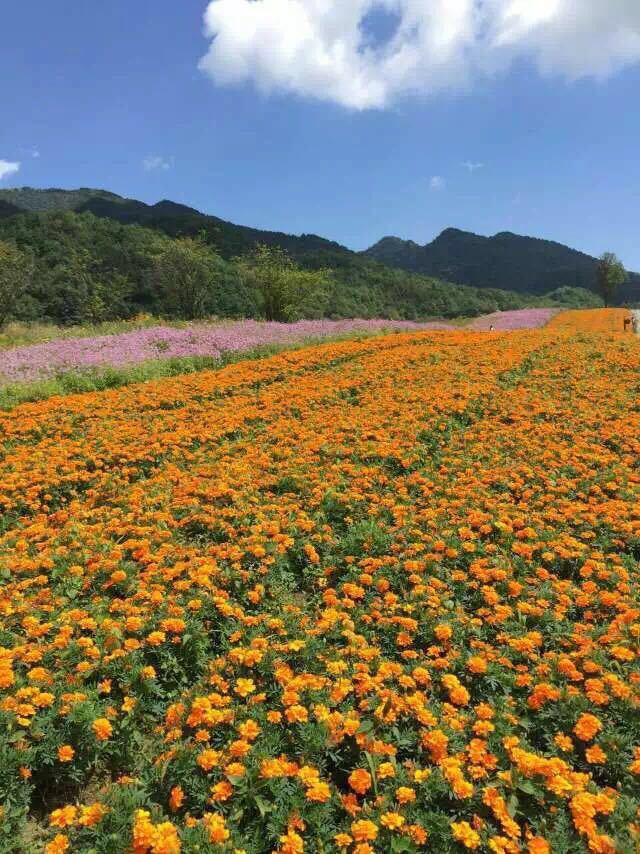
610	277
184	276
570	297
286	292
506	260
16	271
99	258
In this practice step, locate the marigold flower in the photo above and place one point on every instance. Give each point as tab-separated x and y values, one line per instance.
595	755
58	845
587	727
92	814
176	798
319	792
291	843
405	795
102	729
392	820
538	845
244	687
360	781
66	753
216	828
465	834
364	830
63	817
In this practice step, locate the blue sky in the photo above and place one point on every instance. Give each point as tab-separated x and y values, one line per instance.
97	89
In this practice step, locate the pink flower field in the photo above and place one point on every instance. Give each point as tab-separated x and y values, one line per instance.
41	361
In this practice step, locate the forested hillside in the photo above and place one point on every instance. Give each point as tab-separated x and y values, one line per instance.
506	260
89	255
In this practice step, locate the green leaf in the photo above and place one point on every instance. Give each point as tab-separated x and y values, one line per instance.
262	805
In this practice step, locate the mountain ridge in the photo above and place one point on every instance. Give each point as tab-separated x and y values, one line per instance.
504	261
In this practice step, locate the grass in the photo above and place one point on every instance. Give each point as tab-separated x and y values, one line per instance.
22	334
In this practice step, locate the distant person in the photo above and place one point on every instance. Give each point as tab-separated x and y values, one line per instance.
627	323
491	328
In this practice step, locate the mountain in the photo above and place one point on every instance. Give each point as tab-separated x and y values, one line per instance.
506	261
96	256
173	219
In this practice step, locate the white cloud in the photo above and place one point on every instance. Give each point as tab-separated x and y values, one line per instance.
437	183
154	163
8	168
35	154
472	167
321	48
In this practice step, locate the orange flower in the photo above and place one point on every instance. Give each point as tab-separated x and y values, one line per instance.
595	755
63	817
66	753
216	828
443	632
364	830
587	727
405	795
360	781
58	845
102	729
176	798
92	814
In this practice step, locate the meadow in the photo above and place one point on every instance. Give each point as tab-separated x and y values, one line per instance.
373	595
40	360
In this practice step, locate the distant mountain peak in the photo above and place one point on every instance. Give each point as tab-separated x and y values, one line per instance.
506	260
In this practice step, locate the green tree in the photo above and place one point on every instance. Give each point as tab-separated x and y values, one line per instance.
611	276
16	272
184	276
286	292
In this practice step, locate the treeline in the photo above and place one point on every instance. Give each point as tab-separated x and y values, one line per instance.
78	268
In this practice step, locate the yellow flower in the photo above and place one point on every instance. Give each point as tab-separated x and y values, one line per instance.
216	828
392	820
244	687
465	834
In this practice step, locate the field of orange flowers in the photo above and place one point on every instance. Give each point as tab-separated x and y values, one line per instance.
373	596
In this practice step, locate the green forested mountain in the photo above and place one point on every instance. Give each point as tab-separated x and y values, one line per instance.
506	260
93	255
173	219
87	268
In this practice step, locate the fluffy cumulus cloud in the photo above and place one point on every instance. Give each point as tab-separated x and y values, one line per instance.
334	50
7	168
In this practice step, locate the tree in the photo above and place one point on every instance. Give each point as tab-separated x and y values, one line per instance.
286	292
184	276
611	276
16	272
